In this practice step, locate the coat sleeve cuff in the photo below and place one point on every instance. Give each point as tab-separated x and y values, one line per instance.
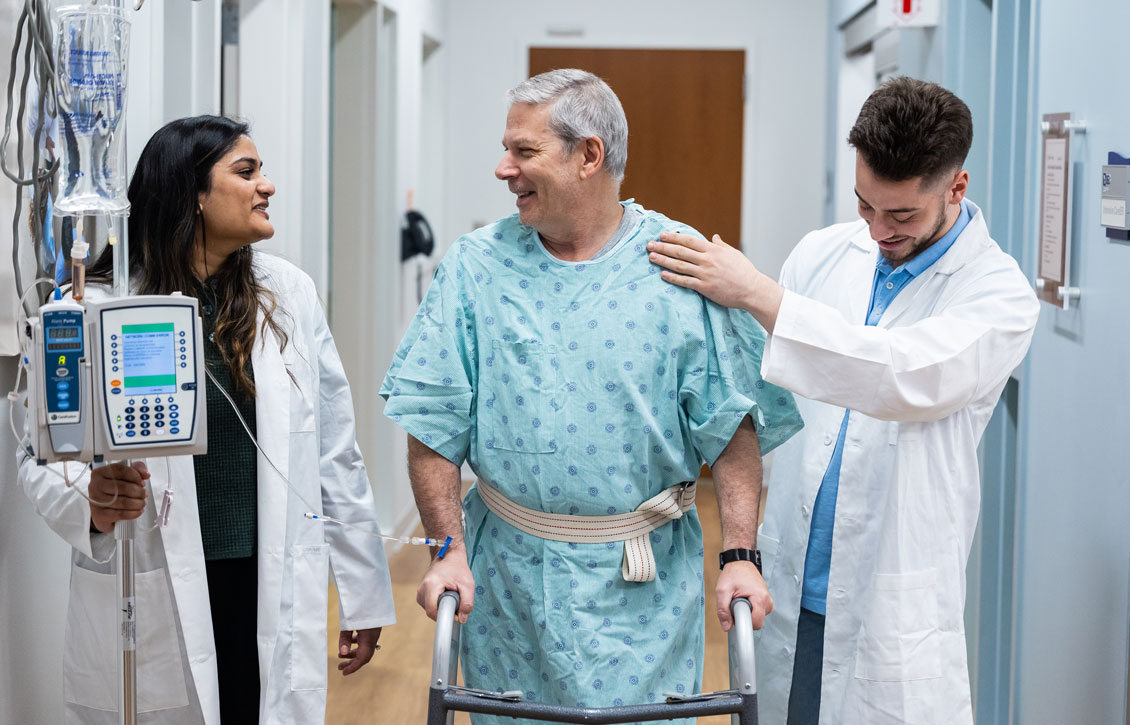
349	625
102	547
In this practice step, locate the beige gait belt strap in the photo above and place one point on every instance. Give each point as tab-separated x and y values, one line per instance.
632	528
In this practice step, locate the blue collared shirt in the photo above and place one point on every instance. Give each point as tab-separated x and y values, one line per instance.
888	282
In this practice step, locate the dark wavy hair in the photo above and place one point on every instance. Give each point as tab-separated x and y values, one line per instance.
174	169
912	129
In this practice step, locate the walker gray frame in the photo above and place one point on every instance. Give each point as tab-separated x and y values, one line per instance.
445	698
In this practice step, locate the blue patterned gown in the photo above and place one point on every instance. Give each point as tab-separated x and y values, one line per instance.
582	388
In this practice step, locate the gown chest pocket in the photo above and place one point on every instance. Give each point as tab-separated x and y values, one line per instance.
518	408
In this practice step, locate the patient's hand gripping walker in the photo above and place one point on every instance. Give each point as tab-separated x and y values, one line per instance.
445	698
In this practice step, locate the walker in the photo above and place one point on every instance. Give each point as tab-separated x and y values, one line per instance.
446	698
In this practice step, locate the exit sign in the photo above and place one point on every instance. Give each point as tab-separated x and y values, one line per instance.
908	13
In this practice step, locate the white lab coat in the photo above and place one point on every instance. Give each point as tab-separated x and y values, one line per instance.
922	386
307	429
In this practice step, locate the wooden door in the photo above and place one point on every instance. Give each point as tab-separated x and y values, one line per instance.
684	111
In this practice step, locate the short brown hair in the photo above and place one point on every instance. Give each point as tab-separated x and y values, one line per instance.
911	129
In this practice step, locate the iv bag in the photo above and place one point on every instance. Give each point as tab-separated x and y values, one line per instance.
91	54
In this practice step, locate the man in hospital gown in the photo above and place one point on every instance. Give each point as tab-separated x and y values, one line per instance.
549	353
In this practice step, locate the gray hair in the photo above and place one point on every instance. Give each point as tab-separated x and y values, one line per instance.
582	106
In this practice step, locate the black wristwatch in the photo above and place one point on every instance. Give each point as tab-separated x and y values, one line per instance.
740	555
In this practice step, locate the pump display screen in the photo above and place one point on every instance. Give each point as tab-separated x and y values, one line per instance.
149	359
64	339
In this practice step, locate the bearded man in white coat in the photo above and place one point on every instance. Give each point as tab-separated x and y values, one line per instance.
900	332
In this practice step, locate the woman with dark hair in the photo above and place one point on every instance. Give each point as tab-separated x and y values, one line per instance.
232	592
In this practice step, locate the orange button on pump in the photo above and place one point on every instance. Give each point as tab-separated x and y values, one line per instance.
116	383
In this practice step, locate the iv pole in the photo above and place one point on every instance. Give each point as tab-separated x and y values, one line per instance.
124	530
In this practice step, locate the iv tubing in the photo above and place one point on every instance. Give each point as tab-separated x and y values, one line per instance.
310	515
417	540
78	262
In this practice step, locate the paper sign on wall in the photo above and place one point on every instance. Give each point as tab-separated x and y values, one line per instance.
1054	258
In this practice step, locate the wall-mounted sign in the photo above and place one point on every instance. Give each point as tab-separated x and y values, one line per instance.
908	13
1054	271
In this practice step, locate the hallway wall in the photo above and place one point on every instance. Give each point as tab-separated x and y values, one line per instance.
1073	597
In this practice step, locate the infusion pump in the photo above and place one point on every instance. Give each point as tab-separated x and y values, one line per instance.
116	378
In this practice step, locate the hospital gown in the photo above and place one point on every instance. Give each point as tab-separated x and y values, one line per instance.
581	388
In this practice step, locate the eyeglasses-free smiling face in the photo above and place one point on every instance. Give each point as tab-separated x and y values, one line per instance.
234	210
535	166
906	217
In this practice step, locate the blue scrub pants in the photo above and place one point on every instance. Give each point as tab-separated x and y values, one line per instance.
804	695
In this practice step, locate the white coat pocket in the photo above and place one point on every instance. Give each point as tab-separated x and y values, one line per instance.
90	660
310	595
899	640
768	546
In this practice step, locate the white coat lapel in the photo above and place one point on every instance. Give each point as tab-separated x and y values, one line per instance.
272	422
858	289
904	299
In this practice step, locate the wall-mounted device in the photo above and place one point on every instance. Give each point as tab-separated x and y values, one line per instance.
415	236
1115	215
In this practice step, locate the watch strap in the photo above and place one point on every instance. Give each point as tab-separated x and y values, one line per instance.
729	555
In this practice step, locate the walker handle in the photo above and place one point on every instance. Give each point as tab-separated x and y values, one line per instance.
445	651
743	667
